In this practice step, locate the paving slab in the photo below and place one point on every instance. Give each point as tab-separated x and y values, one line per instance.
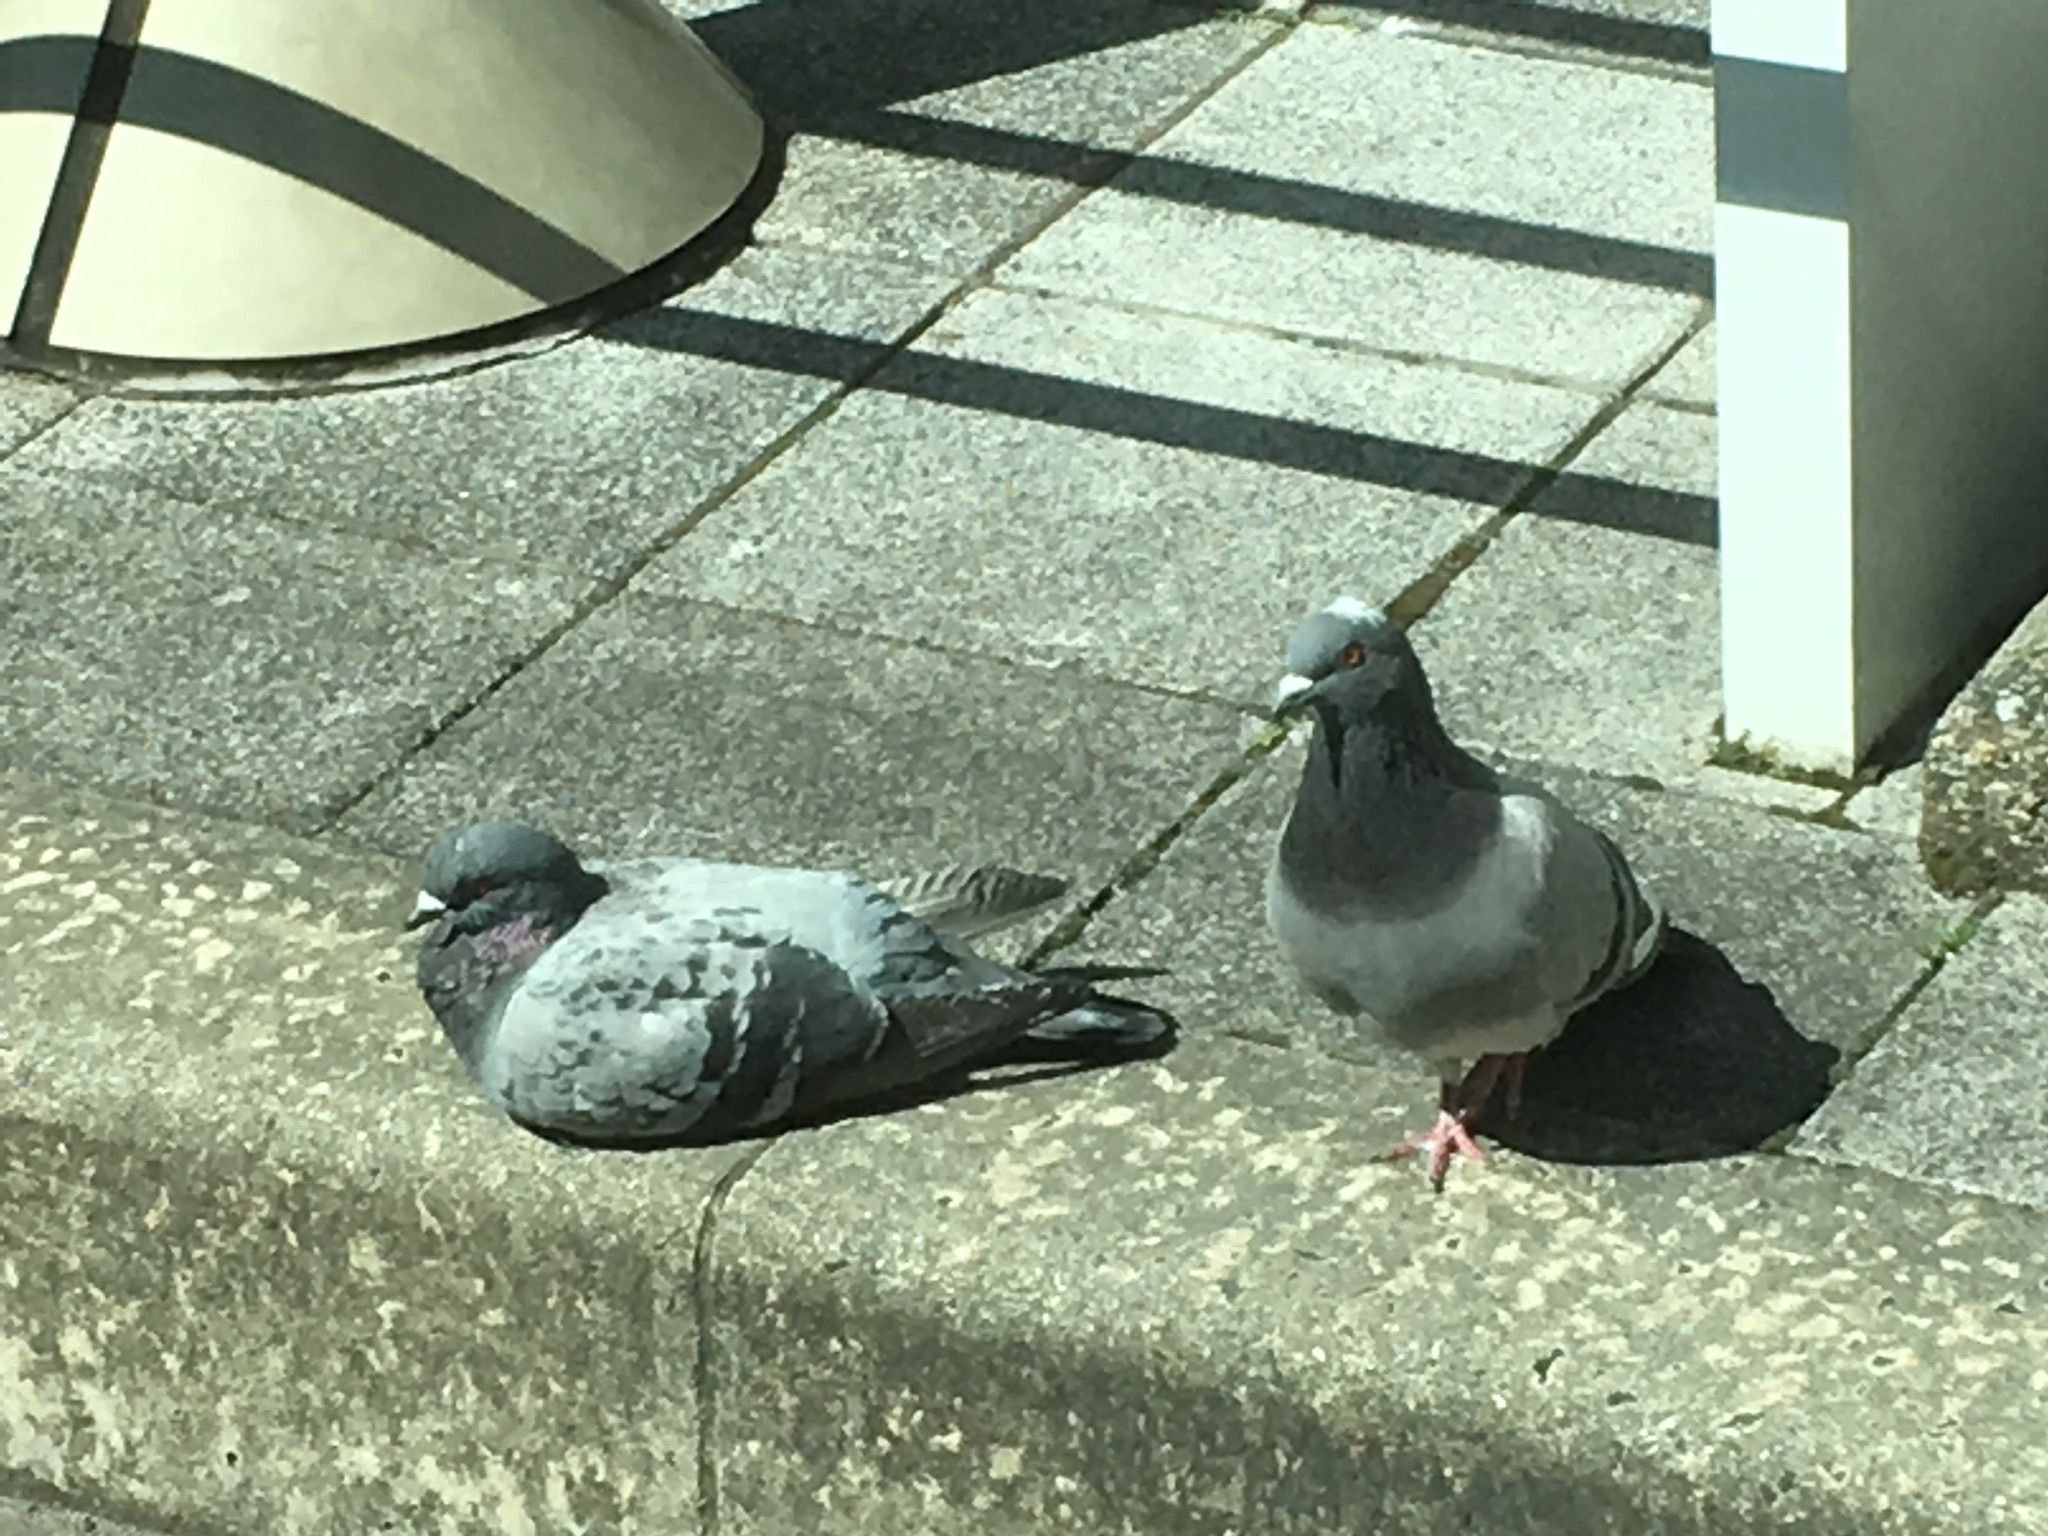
1670	33
1182	1297
269	1265
1689	378
1332	188
1892	806
578	458
1589	632
1951	1096
218	659
1984	821
1154	497
665	726
28	404
20	1517
1801	938
936	135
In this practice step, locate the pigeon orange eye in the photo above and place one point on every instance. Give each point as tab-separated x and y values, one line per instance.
1352	655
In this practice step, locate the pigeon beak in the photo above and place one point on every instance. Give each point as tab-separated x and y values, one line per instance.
425	910
1292	695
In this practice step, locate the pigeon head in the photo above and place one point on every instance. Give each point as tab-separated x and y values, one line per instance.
477	877
1350	663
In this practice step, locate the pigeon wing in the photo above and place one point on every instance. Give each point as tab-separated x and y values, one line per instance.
642	1026
1596	924
967	903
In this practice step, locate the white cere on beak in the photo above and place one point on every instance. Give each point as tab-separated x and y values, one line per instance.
427	906
1291	687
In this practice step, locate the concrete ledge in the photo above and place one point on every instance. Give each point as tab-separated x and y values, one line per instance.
1179	1298
266	1267
1984	818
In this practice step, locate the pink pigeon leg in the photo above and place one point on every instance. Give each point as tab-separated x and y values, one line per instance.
1449	1138
1517	1064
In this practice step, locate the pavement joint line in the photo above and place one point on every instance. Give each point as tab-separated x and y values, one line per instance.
1322	340
1127	875
1415	601
1684	407
1951	942
1288	200
1075	667
294	522
76	405
1114	162
612	585
1843	810
706	1372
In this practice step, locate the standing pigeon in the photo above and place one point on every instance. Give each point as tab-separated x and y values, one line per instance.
1468	913
675	1000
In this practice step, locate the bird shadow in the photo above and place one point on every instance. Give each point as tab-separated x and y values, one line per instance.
1692	1062
1021	1062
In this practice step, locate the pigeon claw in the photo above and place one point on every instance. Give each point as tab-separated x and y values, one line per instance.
1445	1140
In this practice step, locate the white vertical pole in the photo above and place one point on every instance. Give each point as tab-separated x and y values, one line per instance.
1882	300
1782	314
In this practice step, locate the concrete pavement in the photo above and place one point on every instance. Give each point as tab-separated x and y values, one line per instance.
964	514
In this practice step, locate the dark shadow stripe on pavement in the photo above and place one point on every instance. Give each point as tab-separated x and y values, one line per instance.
1367	457
1295	202
1665	42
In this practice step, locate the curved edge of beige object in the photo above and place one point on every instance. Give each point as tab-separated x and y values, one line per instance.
382	184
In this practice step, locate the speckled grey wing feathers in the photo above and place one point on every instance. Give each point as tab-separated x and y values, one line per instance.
1635	936
699	1001
968	903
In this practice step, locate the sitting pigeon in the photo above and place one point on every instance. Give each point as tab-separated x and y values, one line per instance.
673	1000
1467	912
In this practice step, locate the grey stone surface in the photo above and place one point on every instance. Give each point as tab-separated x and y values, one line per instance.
1670	32
1891	806
682	727
28	404
1041	526
22	1517
1027	104
1688	379
1183	1297
1831	924
1588	634
1333	189
268	1265
1984	821
577	458
1689	14
222	660
1952	1093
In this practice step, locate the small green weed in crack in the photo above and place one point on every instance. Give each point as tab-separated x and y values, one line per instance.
1744	756
1941	946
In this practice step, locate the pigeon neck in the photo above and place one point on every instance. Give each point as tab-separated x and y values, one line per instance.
466	975
1380	821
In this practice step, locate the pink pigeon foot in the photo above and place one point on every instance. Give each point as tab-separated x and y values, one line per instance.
1460	1102
1446	1139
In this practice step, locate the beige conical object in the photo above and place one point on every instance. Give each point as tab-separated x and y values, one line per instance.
270	180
